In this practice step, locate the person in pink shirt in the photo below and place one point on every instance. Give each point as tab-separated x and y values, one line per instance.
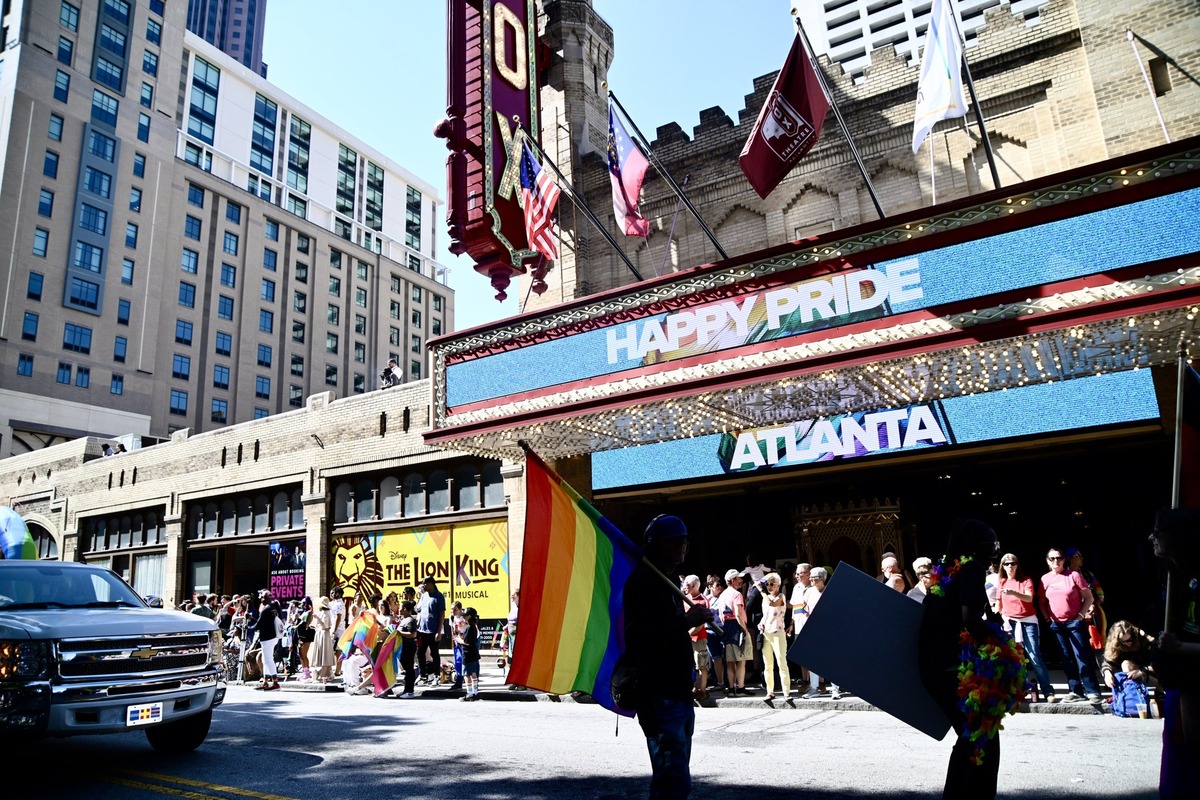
1015	598
1067	604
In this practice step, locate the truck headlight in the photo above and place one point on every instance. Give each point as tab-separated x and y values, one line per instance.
23	660
214	646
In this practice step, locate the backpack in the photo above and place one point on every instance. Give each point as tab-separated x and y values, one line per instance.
624	684
1127	694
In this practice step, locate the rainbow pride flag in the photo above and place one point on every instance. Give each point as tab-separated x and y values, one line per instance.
362	634
387	664
573	573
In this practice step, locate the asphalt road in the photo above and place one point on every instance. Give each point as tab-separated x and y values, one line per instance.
312	746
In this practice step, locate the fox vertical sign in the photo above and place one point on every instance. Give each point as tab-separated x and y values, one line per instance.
491	96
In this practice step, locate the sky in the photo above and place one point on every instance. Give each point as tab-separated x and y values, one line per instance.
377	68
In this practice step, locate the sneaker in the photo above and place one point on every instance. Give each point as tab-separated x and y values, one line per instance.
810	695
271	686
1093	697
405	696
1051	698
1073	698
837	695
260	687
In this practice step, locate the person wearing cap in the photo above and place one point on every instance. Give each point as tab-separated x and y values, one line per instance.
659	649
431	616
739	644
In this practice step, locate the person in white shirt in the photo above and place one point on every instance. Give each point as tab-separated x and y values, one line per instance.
337	614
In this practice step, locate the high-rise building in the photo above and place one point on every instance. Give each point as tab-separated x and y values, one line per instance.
235	26
189	259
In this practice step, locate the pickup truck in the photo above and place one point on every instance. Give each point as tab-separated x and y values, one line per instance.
81	652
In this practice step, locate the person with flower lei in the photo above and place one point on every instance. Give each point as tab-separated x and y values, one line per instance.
971	667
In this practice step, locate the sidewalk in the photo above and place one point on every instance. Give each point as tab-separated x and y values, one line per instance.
492	687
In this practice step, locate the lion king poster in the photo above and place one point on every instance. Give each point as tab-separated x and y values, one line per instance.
469	561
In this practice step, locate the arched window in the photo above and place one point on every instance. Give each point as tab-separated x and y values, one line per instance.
281	512
195	522
364	500
493	485
262	513
389	498
43	540
210	520
439	492
341	503
414	495
123	538
154	529
228	518
467	483
137	532
245	516
297	510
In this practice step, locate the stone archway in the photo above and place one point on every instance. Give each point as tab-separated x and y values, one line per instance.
856	533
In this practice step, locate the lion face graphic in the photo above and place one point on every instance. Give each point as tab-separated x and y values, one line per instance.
356	566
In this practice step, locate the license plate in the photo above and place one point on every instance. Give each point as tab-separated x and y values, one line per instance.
145	714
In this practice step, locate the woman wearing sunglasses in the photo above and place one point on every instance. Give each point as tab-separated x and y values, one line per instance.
1020	615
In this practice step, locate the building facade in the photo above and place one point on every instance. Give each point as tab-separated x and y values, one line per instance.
233	26
190	258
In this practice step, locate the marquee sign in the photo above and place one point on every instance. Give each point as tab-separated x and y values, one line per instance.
491	102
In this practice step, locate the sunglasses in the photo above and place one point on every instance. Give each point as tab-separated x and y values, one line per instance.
1055	558
1008	563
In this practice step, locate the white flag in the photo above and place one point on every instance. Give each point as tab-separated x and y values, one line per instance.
940	89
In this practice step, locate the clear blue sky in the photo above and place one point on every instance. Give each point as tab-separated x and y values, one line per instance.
378	69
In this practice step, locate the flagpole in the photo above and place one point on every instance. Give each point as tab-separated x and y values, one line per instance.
932	172
671	233
661	170
987	142
565	185
837	112
1132	37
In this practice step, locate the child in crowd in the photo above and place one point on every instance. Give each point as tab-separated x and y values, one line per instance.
458	624
469	641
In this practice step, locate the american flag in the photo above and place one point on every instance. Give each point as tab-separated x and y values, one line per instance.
540	193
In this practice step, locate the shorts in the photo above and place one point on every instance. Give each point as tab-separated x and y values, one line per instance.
700	653
471	669
742	652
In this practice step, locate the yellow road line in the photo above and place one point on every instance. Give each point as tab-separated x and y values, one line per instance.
213	787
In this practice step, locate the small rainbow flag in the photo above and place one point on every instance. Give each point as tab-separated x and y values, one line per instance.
362	633
383	677
573	575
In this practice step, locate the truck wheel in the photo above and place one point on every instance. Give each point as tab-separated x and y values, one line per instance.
181	736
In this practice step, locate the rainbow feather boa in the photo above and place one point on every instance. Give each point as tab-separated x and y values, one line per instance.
991	684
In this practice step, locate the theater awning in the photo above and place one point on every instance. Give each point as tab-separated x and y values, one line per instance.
1086	273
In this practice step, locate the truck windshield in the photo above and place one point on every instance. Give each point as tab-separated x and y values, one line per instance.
26	585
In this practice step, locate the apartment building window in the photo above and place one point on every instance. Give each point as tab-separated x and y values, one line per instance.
360	383
266	321
88	257
331	374
131	235
143	131
271	230
118	10
261	413
360	269
230	244
98	183
302	243
415	344
412	222
333	315
157	7
33	287
220	376
260	187
298	332
120	347
190	261
123	312
394	337
29	327
183	332
233	213
397	286
202	112
335	286
46	203
153	32
127	271
64	373
179	402
116	384
68	17
298	365
300	273
295	396
394	310
112	40
347	170
25	365
335	258
181	367
50	164
437	327
77	338
62	86
416	294
135	199
66	49
360	324
270	258
262	135
298	144
150	63
414	263
415	369
104	108
220	410
139	165
262	387
187	295
297	206
360	352
416	318
83	377
331	343
195	197
225	307
84	294
56	128
224	344
374	197
360	297
41	241
110	74
264	355
229	275
147	96
343	229
268	290
93	219
300	302
191	227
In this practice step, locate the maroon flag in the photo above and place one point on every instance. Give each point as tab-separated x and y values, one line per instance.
787	126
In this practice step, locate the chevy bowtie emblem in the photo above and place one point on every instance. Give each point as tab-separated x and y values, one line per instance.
142	653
